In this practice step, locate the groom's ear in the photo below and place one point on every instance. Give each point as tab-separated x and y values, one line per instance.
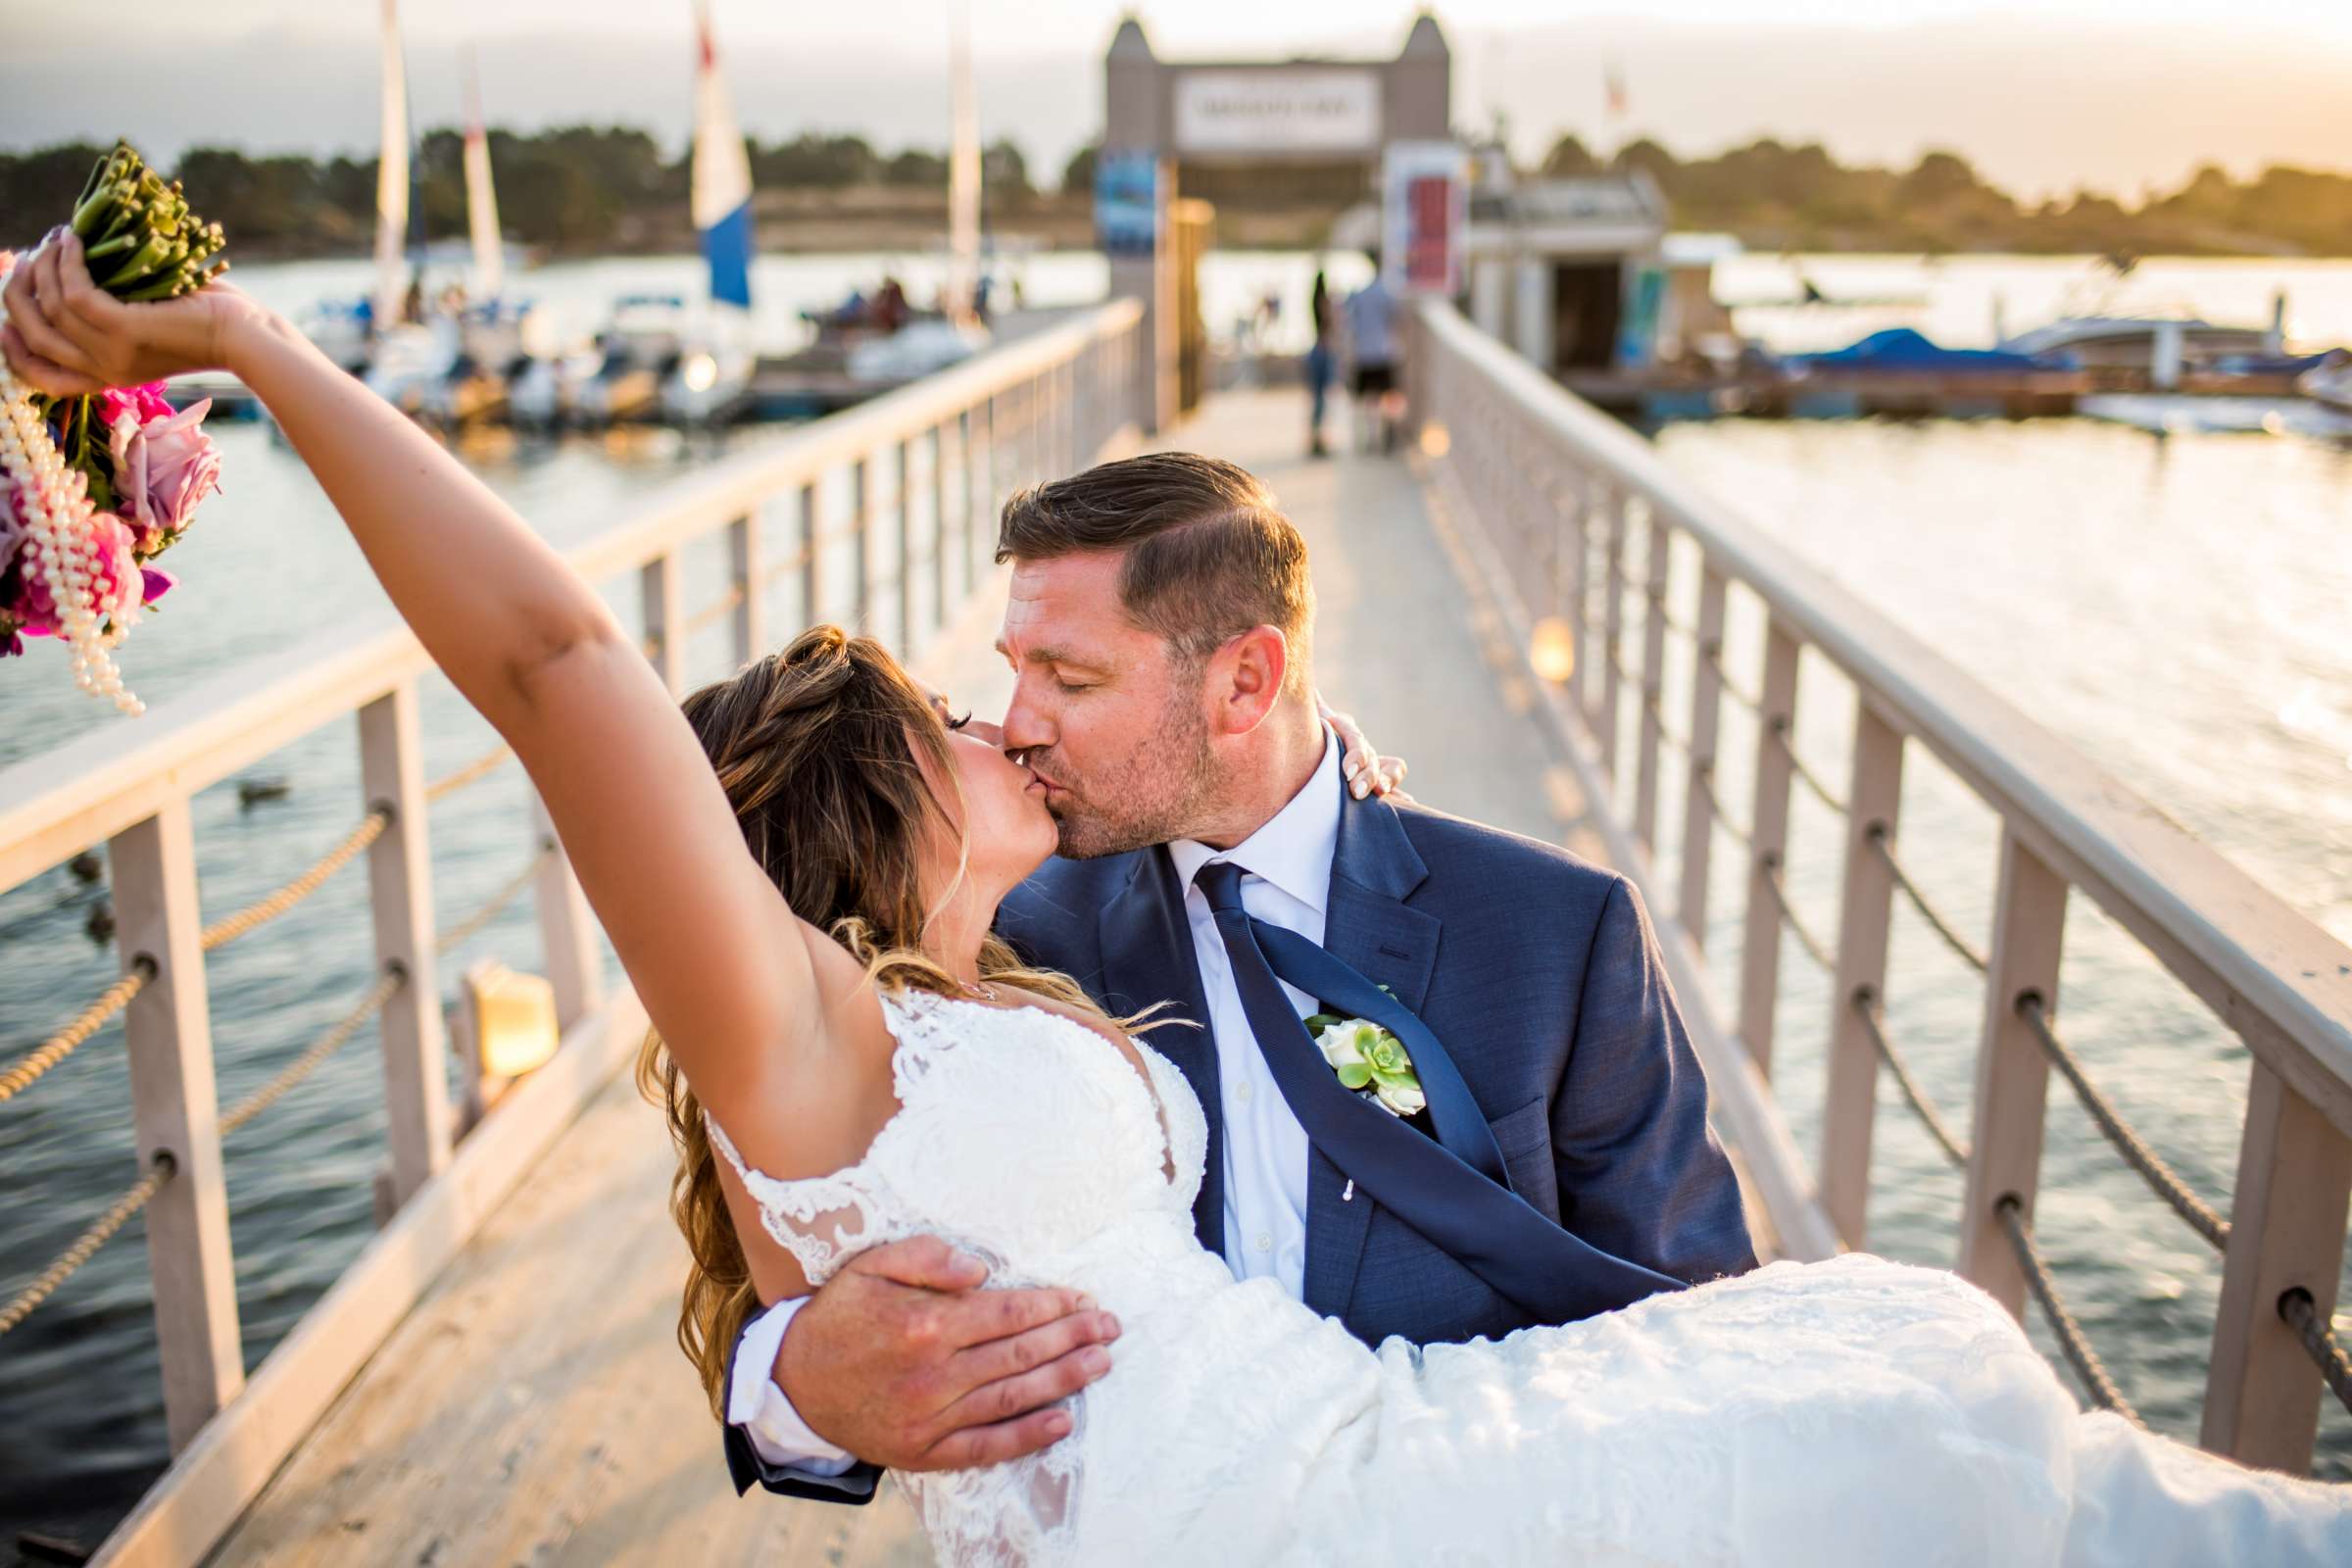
1245	679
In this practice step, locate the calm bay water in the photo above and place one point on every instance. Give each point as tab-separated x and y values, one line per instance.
2179	608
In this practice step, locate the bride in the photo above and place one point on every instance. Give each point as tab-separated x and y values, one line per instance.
852	1057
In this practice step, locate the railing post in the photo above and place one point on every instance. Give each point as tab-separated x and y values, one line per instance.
941	535
1760	939
810	523
747	555
860	514
1612	625
176	1115
992	451
399	887
664	616
1875	799
903	476
1706	706
2028	929
971	447
568	943
1654	686
2286	1232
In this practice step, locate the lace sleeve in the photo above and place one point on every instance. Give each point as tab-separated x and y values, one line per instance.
823	1221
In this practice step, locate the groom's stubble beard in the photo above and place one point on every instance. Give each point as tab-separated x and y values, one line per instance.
1164	790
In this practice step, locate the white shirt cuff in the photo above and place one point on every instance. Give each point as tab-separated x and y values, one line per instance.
754	1403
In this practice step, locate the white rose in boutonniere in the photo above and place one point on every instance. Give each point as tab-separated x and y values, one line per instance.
1370	1060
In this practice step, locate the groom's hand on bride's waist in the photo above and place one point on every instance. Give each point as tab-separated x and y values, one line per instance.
904	1361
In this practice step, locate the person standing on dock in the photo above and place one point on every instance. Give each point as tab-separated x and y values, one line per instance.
1372	349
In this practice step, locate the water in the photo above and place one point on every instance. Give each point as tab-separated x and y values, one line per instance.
2175	606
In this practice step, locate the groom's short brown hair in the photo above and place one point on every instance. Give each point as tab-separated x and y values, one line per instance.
1208	553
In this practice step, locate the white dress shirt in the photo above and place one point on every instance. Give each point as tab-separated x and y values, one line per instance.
1288	883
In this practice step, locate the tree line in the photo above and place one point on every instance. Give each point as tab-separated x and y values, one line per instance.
1780	197
573	188
612	188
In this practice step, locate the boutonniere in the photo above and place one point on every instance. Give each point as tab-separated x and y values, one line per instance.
1370	1060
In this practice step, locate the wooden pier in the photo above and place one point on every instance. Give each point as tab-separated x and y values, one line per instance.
495	1379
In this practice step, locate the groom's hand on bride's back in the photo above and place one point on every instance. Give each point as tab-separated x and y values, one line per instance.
903	1360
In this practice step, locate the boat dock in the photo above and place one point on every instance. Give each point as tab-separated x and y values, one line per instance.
1563	637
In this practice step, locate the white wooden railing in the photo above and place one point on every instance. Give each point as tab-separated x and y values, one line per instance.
1035	409
1543	499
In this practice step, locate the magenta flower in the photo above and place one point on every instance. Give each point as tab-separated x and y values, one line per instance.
164	466
155	584
35	608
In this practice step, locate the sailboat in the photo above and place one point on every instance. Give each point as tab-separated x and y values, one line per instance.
932	343
712	380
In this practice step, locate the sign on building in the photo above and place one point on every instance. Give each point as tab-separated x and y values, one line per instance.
1127	201
1257	112
1425	215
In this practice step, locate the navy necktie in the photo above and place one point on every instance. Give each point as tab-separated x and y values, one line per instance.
1452	1188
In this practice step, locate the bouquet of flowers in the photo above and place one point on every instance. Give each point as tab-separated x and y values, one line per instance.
94	488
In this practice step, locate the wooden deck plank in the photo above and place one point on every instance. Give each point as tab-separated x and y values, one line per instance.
535	1408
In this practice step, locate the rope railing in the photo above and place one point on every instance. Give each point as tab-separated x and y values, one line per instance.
2198	1214
100	1230
1866	1002
473	772
1712	653
222	933
1814	948
1723	819
1882	841
716	612
2302	1314
1778	729
369	1004
29	1068
2071	1338
301	1066
1657	716
466	930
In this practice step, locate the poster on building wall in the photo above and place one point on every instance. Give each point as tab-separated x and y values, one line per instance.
1127	201
1425	215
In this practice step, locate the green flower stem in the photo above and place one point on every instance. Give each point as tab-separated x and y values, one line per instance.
109	247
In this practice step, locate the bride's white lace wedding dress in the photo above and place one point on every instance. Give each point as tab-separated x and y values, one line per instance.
1850	1412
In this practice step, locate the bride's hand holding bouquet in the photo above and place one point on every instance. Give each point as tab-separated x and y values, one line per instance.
99	473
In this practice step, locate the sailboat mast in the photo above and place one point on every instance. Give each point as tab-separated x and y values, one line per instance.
963	166
391	179
481	200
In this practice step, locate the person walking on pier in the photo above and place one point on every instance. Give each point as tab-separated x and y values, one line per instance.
1372	313
1506	1332
1320	365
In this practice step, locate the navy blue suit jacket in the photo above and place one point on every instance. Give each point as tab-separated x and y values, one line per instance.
1541	973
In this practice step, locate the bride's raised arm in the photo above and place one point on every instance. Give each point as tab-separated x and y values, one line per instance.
724	969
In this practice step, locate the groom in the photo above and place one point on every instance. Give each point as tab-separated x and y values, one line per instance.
1159	628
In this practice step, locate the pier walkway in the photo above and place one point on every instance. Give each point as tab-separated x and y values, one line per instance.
535	1408
1563	636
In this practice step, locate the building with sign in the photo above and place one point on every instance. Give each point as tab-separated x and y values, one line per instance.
1236	136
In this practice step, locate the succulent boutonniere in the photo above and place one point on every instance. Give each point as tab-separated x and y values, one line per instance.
1370	1060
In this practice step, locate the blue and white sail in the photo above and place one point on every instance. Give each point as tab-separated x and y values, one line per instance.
722	178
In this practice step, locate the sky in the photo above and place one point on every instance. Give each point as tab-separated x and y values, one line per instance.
2117	96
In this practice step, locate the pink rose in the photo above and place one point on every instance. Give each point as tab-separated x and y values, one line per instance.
35	607
164	466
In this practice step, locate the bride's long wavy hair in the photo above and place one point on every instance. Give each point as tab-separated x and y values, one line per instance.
826	752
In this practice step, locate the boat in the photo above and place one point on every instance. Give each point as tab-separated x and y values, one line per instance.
634	355
1905	351
2329	382
2139	342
